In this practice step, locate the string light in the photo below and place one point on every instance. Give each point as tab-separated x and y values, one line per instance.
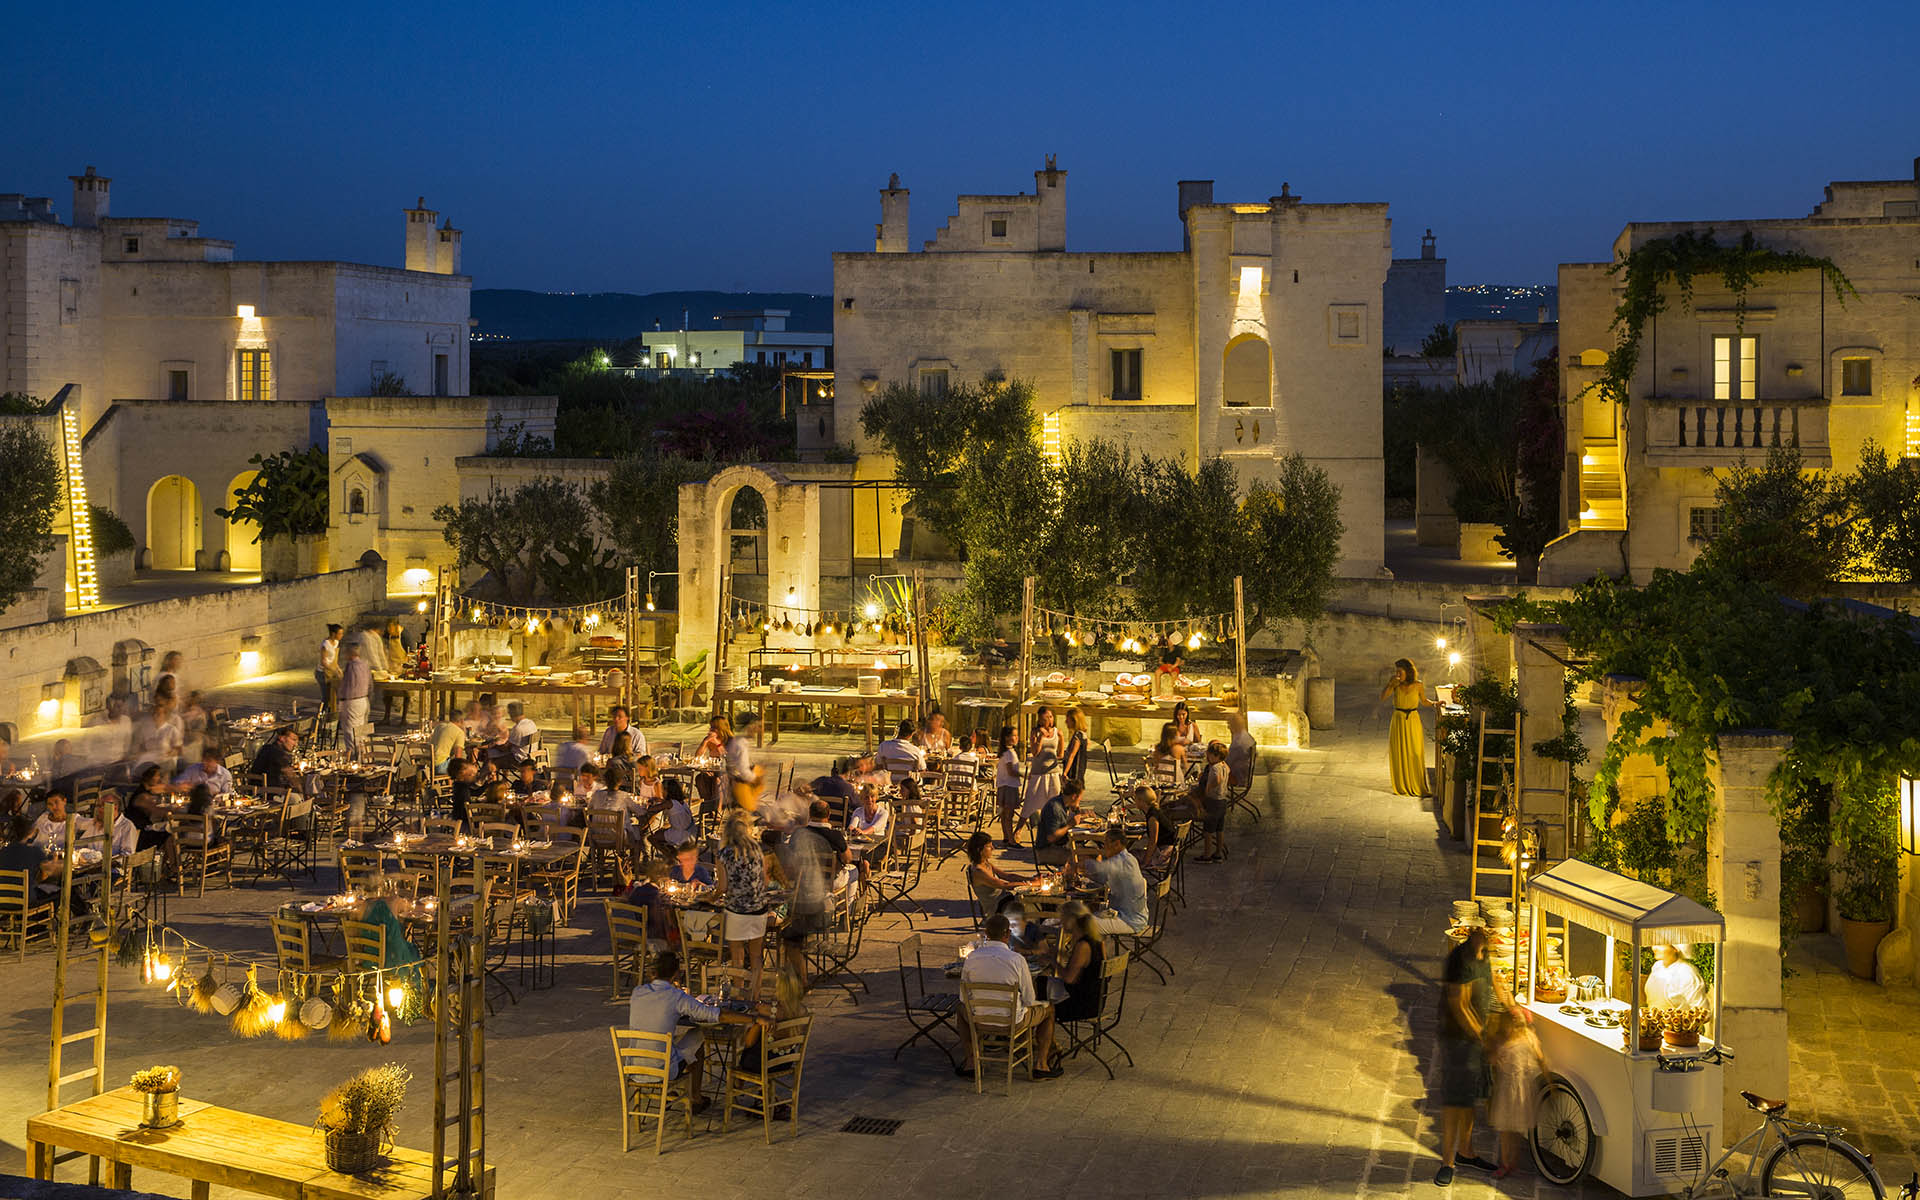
1440	643
1193	641
420	607
276	1009
396	997
872	610
1453	659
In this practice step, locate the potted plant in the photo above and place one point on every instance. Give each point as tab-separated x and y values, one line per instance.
1866	876
1683	1025
683	679
1805	836
357	1117
159	1089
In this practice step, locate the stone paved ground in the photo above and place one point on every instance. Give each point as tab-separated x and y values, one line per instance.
1287	1055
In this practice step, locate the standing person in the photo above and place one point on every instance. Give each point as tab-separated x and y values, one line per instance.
1043	763
1466	999
745	777
395	649
1210	795
327	672
815	854
1006	785
449	743
523	734
576	753
1073	761
1240	748
356	700
743	890
1517	1063
170	665
1407	737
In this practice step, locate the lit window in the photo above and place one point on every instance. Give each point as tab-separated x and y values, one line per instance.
1856	377
1735	377
933	381
256	375
1703	525
1126	374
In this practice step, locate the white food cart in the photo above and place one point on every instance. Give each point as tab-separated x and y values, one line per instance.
1608	1107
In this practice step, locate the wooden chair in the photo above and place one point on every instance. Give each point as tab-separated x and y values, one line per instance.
444	826
480	814
606	839
926	1011
997	1028
1089	1033
647	1085
294	946
564	835
627	928
716	979
200	854
700	940
783	1053
22	918
561	882
361	870
497	830
366	945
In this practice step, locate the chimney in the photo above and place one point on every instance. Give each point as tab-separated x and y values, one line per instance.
421	252
1050	184
447	252
890	235
1426	245
1192	192
89	199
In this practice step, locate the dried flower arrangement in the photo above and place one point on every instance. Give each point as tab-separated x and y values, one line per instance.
366	1103
154	1080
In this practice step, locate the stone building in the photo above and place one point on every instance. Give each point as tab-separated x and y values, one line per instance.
174	362
1716	387
1415	299
1259	338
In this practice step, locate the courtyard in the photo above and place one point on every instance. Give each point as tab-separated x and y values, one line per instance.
1289	1053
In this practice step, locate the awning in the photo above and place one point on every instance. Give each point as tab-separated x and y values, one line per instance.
1622	907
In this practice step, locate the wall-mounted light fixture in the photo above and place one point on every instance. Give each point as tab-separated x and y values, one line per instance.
1910	815
249	655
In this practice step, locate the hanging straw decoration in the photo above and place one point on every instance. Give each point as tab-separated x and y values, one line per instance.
252	1015
287	1025
349	1015
200	996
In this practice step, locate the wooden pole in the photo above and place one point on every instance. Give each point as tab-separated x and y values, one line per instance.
720	629
60	919
918	606
1026	656
1240	641
631	627
442	977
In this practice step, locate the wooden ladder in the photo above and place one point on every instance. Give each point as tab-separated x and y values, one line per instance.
95	1074
1492	875
459	1093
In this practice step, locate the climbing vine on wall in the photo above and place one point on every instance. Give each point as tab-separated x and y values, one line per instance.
1679	260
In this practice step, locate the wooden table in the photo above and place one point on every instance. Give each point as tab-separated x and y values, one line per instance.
439	697
218	1145
769	702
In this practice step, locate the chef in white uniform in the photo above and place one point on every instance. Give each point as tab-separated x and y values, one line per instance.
1674	981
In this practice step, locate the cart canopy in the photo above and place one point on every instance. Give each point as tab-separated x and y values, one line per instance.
1621	907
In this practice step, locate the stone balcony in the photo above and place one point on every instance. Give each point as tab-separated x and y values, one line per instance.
1688	432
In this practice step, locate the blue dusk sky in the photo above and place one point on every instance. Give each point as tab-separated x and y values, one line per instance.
648	147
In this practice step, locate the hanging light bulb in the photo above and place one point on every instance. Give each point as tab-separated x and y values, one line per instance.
533	623
872	610
1453	658
420	607
1193	640
276	1009
396	997
649	601
477	613
162	968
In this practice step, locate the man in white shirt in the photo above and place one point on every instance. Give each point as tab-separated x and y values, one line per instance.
657	1007
210	771
522	734
124	839
574	754
898	756
619	723
994	961
327	672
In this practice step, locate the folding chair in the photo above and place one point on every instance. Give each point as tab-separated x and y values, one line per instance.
1087	1034
926	1011
1143	945
1240	795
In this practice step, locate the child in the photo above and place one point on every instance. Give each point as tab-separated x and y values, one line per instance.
1515	1058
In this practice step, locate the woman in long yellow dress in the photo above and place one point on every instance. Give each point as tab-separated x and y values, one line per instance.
1407	737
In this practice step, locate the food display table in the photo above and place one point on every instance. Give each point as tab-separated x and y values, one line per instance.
769	702
219	1145
441	697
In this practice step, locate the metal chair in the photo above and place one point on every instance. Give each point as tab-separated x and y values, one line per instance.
1143	945
1241	795
926	1011
1088	1033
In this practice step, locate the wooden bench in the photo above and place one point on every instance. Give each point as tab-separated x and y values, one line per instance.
218	1145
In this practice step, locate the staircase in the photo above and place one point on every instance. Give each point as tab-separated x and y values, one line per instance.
86	573
1603	504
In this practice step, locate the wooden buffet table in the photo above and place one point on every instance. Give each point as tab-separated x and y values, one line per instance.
768	703
218	1145
440	697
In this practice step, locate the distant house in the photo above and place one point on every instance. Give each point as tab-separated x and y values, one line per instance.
758	336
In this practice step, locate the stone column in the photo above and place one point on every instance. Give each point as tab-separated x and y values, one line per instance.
1894	964
1743	869
1540	784
1488	649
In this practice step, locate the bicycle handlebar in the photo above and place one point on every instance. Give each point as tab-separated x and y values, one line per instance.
1714	1054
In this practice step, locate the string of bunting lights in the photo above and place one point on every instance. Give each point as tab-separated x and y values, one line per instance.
291	1005
771	616
585	617
1128	634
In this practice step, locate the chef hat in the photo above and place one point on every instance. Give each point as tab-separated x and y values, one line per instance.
1683	949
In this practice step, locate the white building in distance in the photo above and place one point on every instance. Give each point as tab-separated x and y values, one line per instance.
1260	338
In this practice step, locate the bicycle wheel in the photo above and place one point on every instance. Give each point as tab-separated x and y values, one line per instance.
1824	1168
1563	1141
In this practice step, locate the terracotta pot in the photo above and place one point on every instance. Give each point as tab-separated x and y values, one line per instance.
1650	1041
1860	939
1810	908
1682	1040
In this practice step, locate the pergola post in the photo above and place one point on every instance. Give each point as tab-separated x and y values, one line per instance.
1743	869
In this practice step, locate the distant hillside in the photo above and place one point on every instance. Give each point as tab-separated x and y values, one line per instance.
1498	302
597	316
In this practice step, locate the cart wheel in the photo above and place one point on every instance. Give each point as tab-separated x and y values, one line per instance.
1563	1141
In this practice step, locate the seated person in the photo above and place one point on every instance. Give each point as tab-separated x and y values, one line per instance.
898	756
449	743
837	787
984	877
200	804
465	787
1053	832
1163	832
872	818
646	778
210	770
526	780
621	755
657	1007
586	782
276	759
649	892
50	830
24	852
1082	947
1119	872
933	736
523	735
123	836
995	961
687	867
789	1004
675	817
575	753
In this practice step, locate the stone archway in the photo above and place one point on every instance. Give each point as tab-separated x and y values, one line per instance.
1247	373
243	552
792	546
173	524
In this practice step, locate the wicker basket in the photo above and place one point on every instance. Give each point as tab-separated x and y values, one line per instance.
352	1153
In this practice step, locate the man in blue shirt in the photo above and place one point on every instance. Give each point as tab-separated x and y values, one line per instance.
1053	834
1119	872
657	1007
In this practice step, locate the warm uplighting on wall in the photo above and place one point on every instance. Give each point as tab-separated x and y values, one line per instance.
249	655
244	312
1910	815
415	577
50	697
1588	460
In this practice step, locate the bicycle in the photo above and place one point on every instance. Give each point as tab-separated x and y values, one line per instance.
1806	1160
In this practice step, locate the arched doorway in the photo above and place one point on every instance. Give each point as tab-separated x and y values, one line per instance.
1247	377
747	543
243	553
173	524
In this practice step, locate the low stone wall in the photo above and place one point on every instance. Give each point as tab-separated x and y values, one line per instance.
289	619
